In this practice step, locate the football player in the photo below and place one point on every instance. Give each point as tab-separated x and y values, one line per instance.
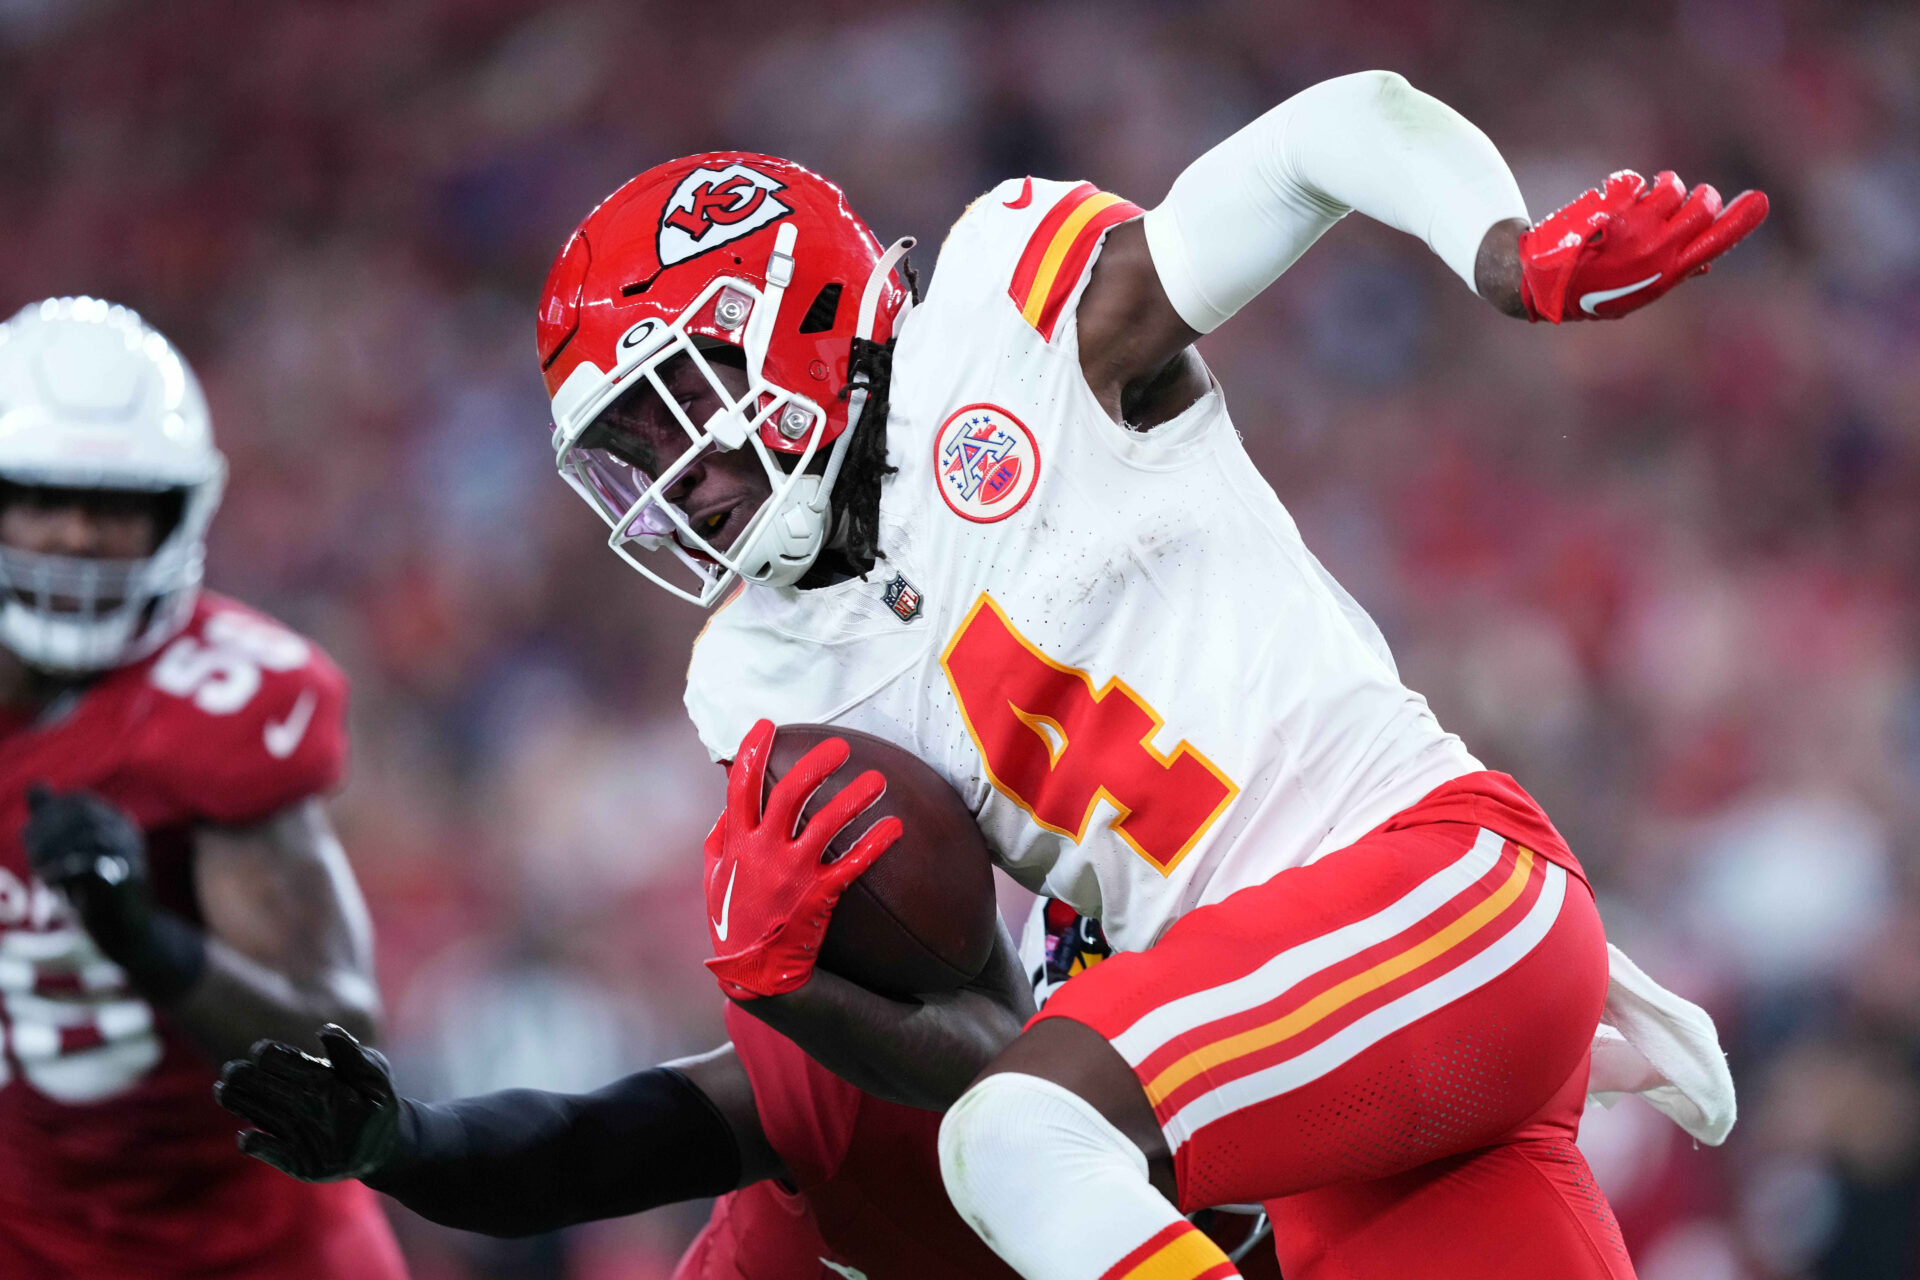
823	1178
1013	531
170	889
814	1178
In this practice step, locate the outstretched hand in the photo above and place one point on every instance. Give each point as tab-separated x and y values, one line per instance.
1621	245
769	892
316	1119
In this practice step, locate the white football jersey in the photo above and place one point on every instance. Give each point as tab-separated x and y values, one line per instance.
1112	643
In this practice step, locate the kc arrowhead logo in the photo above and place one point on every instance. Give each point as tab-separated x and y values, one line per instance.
711	207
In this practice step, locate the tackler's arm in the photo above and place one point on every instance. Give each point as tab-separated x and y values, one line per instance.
514	1163
918	1053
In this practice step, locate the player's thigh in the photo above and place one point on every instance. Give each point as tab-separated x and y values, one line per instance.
1426	991
1518	1211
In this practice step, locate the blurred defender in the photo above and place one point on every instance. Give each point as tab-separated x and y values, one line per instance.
170	888
1014	532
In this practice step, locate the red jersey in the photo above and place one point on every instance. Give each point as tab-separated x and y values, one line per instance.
760	1232
114	1159
868	1199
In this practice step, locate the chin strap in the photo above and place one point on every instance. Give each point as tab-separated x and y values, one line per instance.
876	281
732	424
779	275
858	388
837	538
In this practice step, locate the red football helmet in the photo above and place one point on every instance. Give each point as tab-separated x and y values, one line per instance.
732	249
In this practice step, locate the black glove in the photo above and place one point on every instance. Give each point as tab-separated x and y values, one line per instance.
316	1119
94	855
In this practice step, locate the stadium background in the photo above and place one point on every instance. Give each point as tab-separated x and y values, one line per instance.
1665	571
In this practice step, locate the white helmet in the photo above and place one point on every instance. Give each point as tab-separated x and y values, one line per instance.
92	398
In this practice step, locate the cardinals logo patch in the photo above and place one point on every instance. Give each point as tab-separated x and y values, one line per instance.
986	463
712	207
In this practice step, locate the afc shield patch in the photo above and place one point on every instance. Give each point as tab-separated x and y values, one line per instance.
902	597
986	463
711	207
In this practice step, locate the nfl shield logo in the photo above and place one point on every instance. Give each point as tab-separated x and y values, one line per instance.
902	597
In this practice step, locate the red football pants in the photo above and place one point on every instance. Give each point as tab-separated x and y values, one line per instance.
1389	1047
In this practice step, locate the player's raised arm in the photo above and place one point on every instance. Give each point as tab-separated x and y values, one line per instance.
1242	213
513	1163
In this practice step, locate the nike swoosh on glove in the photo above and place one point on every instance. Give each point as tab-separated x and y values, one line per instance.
769	894
1626	242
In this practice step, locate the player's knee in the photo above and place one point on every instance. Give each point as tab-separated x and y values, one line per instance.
975	1138
1014	1135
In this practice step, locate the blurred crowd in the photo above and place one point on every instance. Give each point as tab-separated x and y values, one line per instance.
1666	571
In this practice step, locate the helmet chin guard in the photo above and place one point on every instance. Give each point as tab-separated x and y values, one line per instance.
70	614
798	237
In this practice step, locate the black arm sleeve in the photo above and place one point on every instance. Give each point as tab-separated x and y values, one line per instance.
520	1162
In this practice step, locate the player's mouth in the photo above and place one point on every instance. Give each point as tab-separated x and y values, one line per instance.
715	526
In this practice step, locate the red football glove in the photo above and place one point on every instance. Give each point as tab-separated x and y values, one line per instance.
767	924
1620	246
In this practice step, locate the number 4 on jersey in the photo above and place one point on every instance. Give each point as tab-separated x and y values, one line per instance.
1056	746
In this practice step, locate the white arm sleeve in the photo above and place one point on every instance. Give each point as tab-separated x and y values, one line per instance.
1243	212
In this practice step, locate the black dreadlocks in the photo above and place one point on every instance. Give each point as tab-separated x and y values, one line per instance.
856	494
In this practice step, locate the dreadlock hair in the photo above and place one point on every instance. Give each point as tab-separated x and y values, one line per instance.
856	494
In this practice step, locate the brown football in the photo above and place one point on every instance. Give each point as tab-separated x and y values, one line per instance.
923	917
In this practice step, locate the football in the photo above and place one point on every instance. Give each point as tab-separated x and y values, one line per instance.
923	917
